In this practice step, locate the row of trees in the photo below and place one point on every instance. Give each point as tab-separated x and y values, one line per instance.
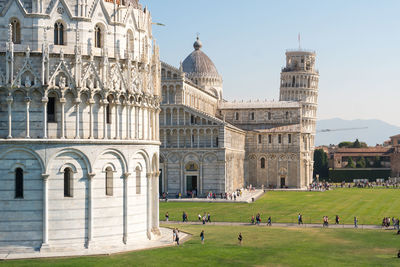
362	163
355	144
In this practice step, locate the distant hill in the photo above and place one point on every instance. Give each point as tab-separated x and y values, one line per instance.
378	131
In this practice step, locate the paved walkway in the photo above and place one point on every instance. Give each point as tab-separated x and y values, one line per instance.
247	197
289	225
164	241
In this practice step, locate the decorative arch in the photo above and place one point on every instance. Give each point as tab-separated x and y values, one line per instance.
116	153
146	158
72	151
68	165
34	154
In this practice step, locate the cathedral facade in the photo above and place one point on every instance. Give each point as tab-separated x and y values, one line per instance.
79	137
212	145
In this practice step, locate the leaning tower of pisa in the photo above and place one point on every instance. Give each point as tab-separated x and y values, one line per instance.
299	82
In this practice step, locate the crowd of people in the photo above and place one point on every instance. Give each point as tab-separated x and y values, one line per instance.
386	221
319	186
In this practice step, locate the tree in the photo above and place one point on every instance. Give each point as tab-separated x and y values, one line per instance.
321	164
345	144
350	163
356	144
361	163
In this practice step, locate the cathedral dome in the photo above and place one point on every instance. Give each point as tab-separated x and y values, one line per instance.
199	63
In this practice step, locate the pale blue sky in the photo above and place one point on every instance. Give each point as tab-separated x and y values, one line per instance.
357	44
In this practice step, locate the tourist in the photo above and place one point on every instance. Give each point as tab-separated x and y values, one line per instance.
199	216
177	236
252	219
202	237
355	222
240	238
398	254
166	216
300	219
173	235
269	221
337	220
209	217
204	219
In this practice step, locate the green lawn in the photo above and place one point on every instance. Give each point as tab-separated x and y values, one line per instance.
369	205
262	246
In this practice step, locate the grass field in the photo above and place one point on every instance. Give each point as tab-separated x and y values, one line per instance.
262	246
369	205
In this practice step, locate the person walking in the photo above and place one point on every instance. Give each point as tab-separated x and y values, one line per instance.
202	237
269	221
173	235
177	236
166	216
300	219
355	222
209	217
204	219
240	238
337	219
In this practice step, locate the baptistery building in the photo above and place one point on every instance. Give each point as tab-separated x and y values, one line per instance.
213	145
79	138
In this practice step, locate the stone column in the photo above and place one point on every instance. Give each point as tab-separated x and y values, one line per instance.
90	103
157	125
155	205
128	125
184	117
200	189
136	122
63	101
177	117
116	104
27	102
44	103
77	120
126	203
165	116
45	210
149	205
198	138
212	140
9	103
143	131
177	138
165	138
104	104
90	242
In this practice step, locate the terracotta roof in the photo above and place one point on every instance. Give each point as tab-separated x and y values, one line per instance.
364	150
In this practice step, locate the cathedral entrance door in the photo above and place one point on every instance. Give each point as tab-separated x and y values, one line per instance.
283	182
191	183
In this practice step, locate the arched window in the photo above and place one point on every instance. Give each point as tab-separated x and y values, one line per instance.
138	180
58	33
279	138
259	139
237	116
68	182
130	42
262	163
109	181
19	183
252	116
289	138
287	115
108	110
97	36
293	82
16	31
51	109
108	115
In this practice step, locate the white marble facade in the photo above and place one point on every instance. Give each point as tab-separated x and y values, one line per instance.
210	144
79	138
